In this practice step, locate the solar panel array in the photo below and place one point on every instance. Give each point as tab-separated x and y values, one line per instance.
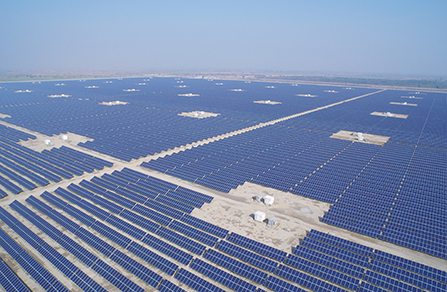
322	262
132	230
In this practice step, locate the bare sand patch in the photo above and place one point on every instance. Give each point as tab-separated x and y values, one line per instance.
412	97
389	115
271	102
198	114
68	139
59	95
117	102
361	137
306	95
188	94
404	103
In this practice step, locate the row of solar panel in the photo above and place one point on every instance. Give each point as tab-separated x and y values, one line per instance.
22	160
399	269
14	135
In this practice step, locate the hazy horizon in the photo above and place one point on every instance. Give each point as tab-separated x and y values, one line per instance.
405	38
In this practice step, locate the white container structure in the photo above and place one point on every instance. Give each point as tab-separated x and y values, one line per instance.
268	200
259	216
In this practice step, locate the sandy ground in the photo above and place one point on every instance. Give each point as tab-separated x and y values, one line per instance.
198	114
404	103
389	115
271	102
367	138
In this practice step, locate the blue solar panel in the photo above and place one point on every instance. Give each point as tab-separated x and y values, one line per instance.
279	285
86	283
114	277
181	240
153	258
305	280
54	200
93	187
136	268
323	272
335	251
247	256
107	204
131	194
39	273
176	214
221	276
134	173
44	208
151	214
10	281
126	227
26	183
196	282
81	216
168	249
9	185
258	247
77	250
412	266
115	180
63	221
167	286
329	261
139	220
80	191
193	233
98	212
205	226
235	266
40	180
94	241
111	234
343	243
68	195
175	204
120	200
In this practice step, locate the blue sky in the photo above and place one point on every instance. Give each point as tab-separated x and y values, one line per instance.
355	37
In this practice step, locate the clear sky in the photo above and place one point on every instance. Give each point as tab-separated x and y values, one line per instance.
369	37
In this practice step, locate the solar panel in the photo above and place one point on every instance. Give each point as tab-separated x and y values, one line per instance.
151	214
258	247
221	276
94	241
139	220
168	249
277	284
205	226
167	286
9	280
85	282
235	266
137	269
153	258
247	256
126	227
180	240
114	277
196	282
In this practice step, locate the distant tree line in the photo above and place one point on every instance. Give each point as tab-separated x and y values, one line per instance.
440	83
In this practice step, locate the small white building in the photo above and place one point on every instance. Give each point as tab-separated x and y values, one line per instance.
259	216
48	142
268	200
